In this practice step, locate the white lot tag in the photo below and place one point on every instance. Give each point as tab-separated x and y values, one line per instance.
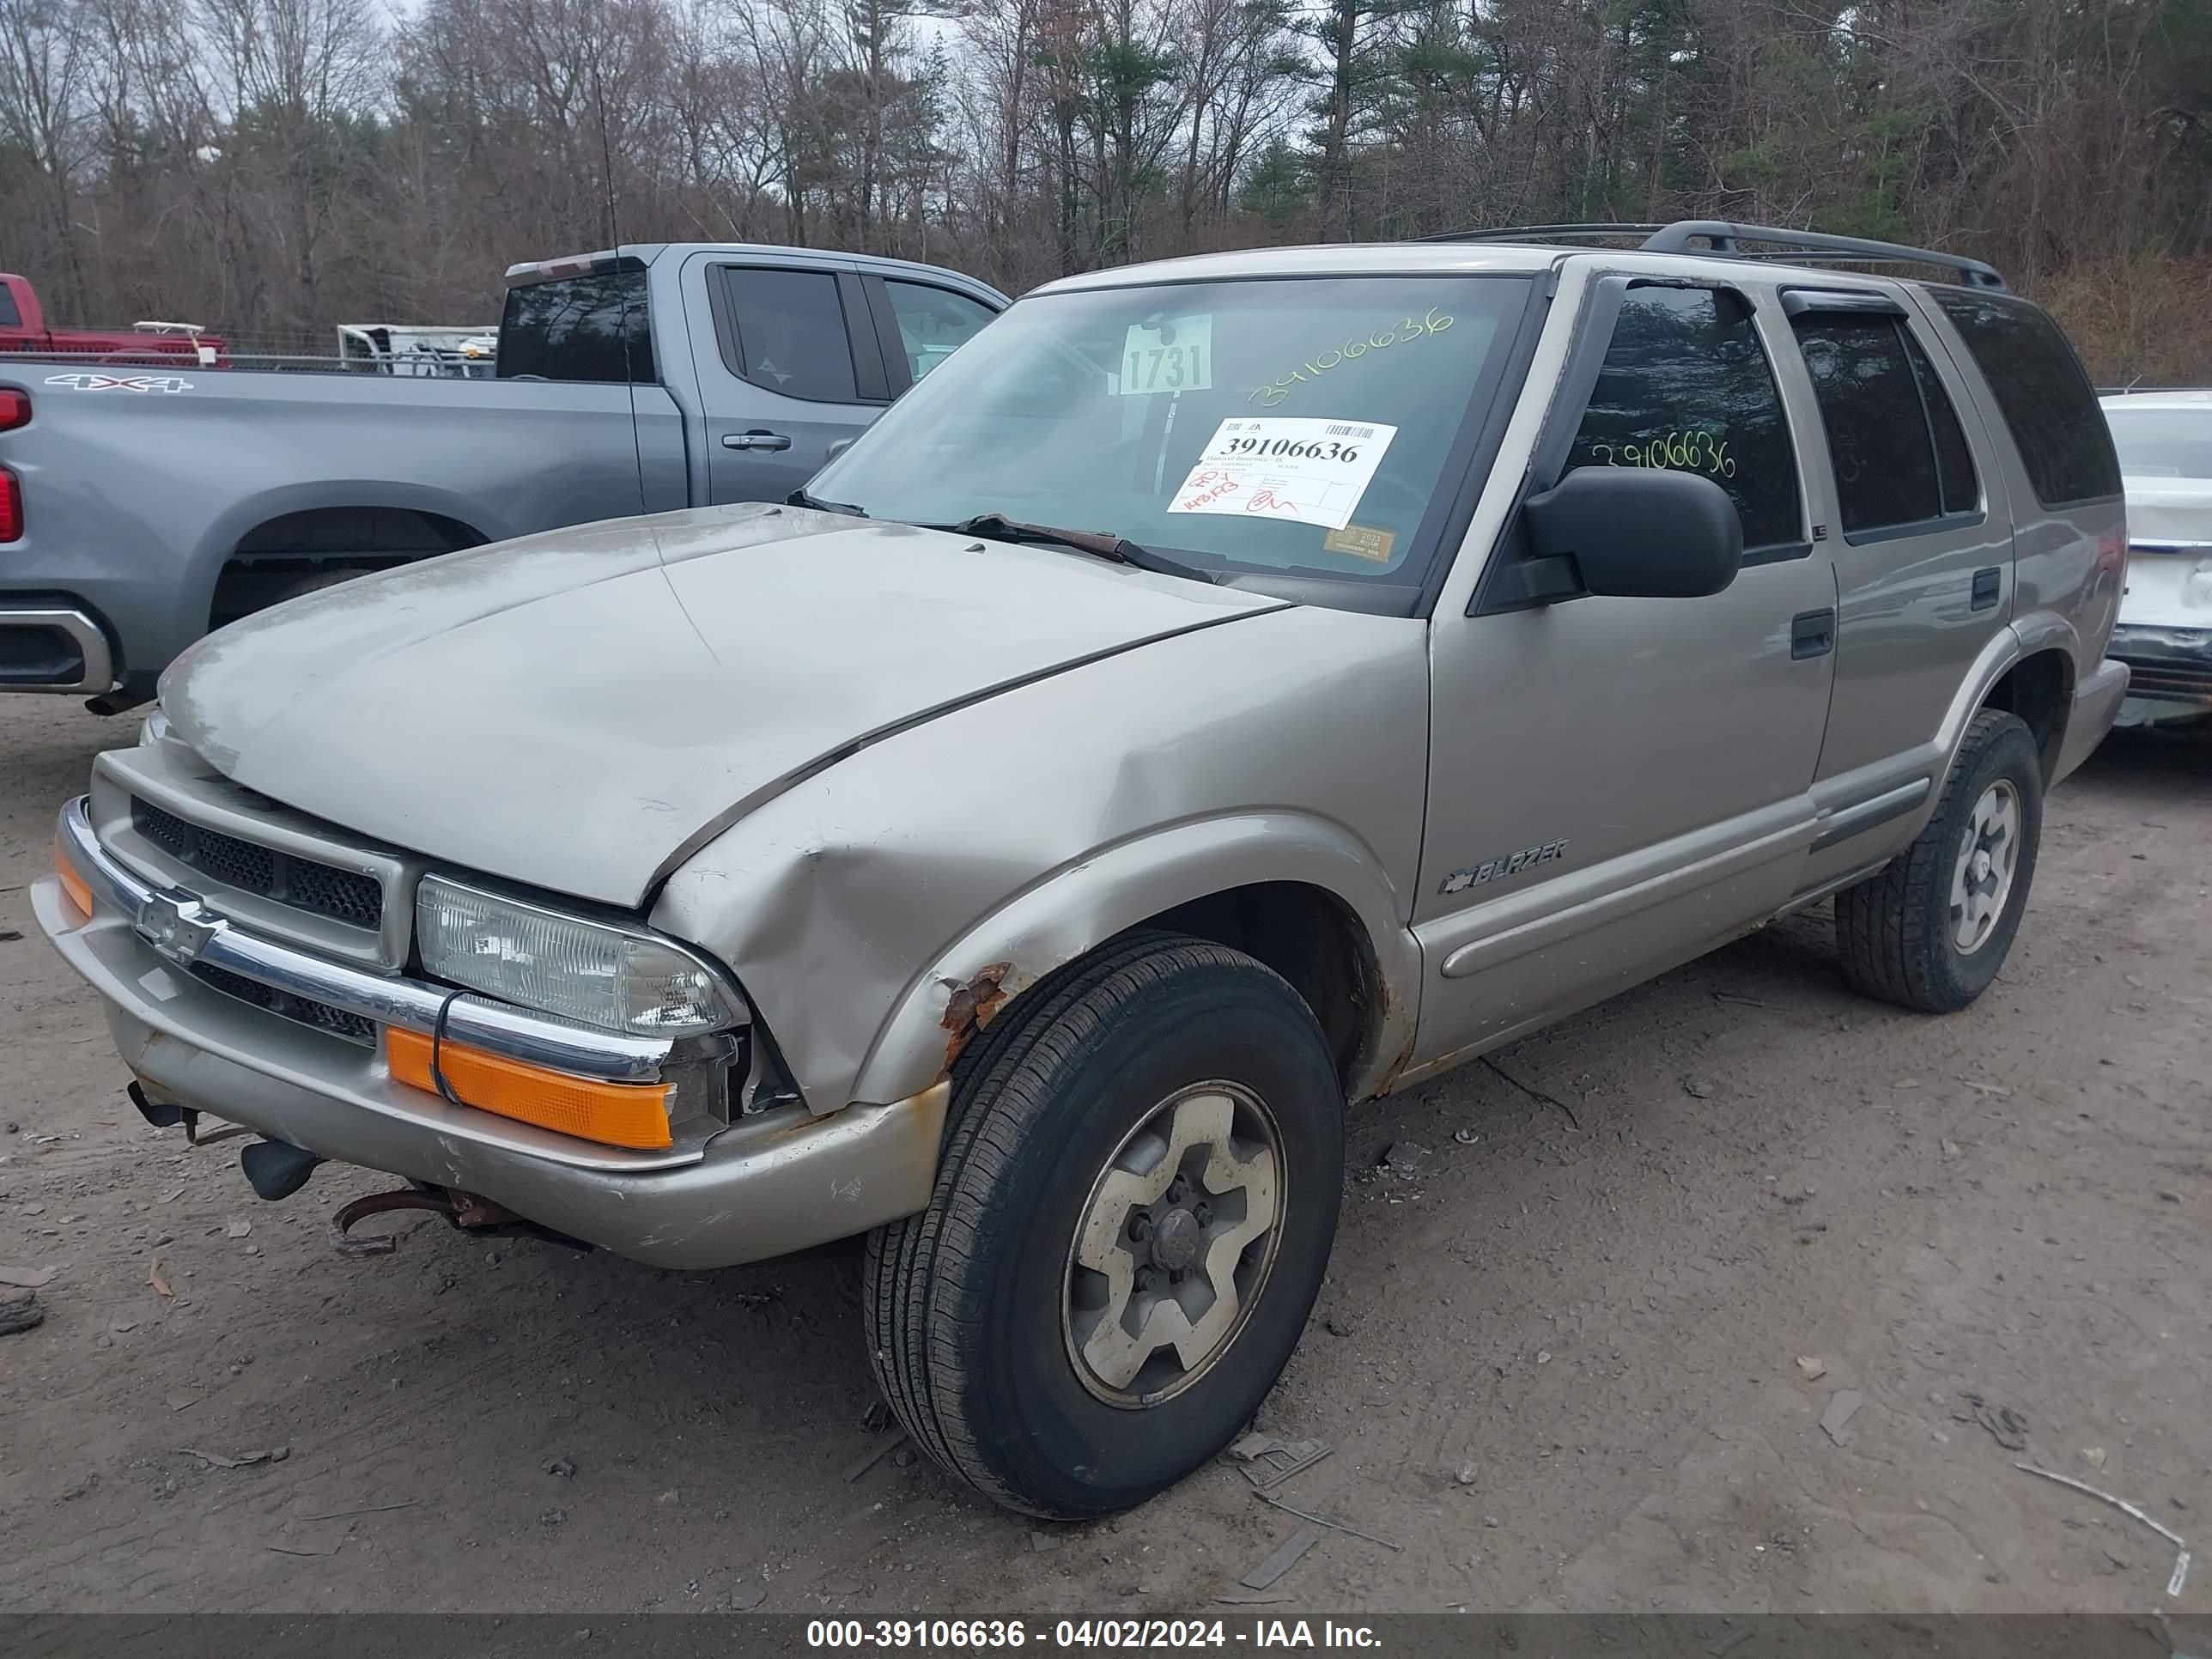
1176	357
1285	467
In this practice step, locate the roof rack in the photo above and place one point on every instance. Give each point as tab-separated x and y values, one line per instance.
1541	232
1724	238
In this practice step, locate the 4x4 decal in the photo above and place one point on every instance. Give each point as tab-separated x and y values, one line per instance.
89	382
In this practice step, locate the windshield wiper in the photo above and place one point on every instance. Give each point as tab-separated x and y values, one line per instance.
800	498
998	527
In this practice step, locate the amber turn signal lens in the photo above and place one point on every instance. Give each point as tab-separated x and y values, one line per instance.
615	1113
79	893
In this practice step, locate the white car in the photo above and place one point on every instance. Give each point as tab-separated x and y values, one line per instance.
2164	633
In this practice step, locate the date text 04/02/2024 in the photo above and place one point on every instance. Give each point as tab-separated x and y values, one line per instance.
938	1634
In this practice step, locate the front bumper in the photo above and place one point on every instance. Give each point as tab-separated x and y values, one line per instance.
785	1180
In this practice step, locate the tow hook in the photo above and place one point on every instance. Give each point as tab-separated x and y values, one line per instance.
467	1212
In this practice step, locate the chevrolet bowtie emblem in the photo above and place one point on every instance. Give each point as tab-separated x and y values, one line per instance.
178	926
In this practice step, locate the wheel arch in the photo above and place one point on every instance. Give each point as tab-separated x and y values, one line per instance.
2039	688
1312	939
218	543
1299	893
281	548
2028	668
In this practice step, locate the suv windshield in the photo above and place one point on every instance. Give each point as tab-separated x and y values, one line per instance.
2163	443
1307	427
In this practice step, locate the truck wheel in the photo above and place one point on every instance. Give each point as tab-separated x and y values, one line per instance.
1133	1214
1931	930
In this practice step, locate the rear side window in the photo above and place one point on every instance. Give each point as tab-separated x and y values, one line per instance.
1894	439
933	322
791	336
2047	401
1686	385
579	328
10	317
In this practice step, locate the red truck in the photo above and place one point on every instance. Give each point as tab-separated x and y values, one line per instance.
23	332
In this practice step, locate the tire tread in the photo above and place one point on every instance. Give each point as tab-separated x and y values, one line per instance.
1886	925
923	1316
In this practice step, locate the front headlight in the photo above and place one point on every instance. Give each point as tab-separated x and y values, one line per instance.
617	978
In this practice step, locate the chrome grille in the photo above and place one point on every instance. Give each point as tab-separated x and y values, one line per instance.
342	895
321	1015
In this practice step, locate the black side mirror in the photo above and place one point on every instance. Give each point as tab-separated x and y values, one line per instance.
1638	532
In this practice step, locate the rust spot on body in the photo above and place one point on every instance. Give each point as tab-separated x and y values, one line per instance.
973	1006
1404	1057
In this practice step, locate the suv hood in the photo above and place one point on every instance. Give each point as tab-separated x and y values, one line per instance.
582	710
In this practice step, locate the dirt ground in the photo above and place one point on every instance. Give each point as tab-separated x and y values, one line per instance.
1564	1363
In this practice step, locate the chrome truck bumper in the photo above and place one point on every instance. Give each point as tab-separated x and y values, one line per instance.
50	649
785	1180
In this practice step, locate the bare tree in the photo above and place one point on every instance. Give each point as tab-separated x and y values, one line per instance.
271	166
296	74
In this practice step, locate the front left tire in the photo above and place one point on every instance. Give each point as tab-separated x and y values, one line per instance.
1133	1215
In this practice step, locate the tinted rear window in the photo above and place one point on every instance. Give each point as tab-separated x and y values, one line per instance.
792	333
1955	459
578	328
1899	458
2047	401
1878	435
10	317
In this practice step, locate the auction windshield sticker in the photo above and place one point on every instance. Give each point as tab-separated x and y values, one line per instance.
1280	466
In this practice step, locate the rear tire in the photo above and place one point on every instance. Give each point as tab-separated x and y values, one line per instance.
1133	1215
1931	930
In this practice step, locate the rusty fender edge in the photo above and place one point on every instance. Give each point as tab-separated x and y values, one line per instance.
972	1006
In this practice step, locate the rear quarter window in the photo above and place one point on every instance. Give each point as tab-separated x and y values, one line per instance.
593	328
10	317
2045	397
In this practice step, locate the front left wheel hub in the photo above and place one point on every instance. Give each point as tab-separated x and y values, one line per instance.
1174	1245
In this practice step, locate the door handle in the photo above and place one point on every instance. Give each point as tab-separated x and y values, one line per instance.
755	439
1988	586
1812	634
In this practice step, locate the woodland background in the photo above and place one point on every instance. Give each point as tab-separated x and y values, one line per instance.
270	166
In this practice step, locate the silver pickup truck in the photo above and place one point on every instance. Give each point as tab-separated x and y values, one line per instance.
142	506
1228	690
